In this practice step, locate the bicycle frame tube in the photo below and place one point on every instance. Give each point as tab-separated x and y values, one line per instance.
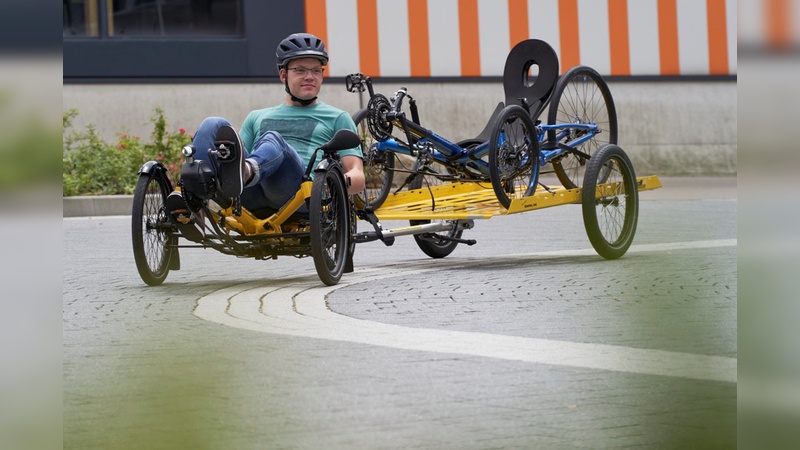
564	130
443	151
565	127
250	225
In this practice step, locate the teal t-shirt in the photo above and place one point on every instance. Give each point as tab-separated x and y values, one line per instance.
305	128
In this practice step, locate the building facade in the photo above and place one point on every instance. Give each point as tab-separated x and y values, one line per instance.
419	39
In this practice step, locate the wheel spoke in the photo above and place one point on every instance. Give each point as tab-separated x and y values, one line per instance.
150	235
513	156
610	202
582	97
329	226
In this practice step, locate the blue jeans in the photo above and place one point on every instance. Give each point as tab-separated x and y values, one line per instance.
281	169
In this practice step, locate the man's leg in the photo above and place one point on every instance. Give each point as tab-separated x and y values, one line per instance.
189	222
205	136
277	173
232	171
216	133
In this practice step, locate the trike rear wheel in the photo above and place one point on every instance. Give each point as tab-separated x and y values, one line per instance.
513	155
378	167
329	225
581	96
610	202
151	232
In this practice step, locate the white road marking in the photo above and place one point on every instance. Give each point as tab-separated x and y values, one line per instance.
299	309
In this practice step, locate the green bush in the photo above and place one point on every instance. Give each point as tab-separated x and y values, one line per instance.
92	166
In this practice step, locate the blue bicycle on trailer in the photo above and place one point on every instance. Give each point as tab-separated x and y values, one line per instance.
513	148
578	144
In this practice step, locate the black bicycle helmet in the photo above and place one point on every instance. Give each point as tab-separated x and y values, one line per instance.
300	45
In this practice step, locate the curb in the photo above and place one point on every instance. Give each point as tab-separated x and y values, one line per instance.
674	188
98	205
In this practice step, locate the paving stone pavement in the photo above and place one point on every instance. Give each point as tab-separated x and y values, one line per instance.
140	371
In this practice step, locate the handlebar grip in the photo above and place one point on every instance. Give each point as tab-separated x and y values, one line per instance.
398	99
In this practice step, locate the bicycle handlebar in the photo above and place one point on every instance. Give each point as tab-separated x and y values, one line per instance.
397	99
358	82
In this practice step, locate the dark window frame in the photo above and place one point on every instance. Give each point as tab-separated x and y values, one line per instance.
252	55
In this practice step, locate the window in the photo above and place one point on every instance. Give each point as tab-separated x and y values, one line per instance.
80	18
145	40
152	18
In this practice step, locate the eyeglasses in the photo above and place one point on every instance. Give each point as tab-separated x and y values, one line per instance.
303	71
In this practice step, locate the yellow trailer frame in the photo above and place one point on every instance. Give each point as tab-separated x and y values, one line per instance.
471	200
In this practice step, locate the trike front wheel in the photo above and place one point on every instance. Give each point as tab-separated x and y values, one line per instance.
610	202
581	96
513	155
329	225
151	232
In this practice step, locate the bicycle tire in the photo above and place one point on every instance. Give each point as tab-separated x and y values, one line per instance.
378	167
433	244
329	225
150	236
349	265
581	96
514	161
610	206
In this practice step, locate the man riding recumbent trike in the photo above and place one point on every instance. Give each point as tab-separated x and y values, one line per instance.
316	221
281	186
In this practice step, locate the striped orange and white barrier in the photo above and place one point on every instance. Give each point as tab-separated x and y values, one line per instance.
471	38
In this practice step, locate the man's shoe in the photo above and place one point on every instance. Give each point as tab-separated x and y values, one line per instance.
230	155
183	218
175	203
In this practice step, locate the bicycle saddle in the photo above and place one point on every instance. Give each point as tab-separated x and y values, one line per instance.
486	133
516	79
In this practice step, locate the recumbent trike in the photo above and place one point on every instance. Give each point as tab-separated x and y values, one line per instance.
325	232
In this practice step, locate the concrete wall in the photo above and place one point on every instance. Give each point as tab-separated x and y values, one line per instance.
667	127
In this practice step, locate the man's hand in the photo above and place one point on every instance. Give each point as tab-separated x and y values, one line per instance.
353	174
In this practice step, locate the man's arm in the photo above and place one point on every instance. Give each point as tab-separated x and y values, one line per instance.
353	174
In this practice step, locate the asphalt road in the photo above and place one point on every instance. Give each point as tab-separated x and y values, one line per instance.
527	339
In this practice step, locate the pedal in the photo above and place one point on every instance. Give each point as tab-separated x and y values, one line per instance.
181	217
223	150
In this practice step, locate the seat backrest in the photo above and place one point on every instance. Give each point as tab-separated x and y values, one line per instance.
486	134
516	79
